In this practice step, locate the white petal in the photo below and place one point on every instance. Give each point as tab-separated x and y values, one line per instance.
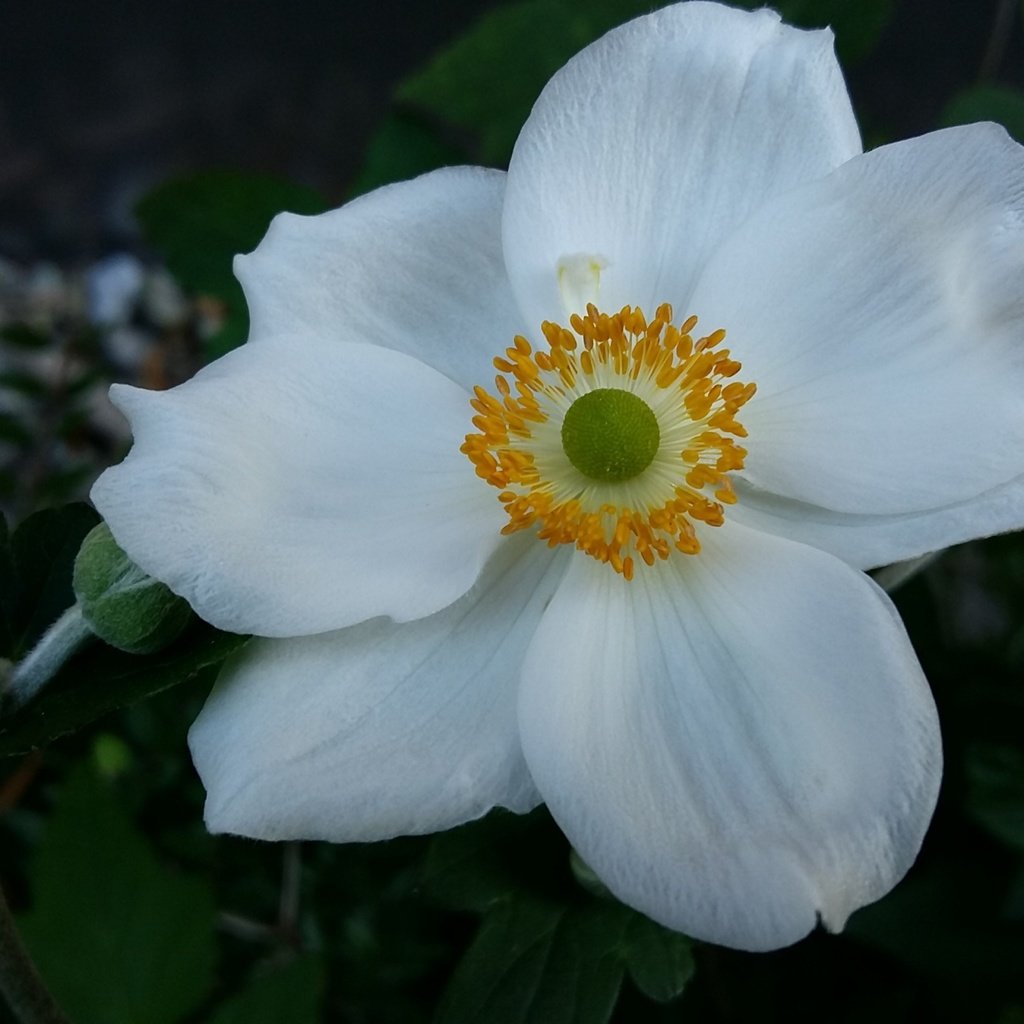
867	542
416	267
738	742
294	487
380	729
660	137
881	314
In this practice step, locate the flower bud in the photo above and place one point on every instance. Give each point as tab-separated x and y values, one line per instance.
121	604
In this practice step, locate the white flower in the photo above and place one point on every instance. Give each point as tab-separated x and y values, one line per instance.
738	740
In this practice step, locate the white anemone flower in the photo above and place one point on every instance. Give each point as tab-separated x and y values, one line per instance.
625	576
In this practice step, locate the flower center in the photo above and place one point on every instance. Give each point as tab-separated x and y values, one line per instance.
610	434
615	438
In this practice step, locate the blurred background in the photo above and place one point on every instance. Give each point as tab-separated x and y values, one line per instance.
141	145
99	103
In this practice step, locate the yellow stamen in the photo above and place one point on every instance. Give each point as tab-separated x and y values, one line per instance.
684	382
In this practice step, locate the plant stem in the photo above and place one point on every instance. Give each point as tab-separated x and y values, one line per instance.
20	983
41	664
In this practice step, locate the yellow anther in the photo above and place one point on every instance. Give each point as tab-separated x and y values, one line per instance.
621	523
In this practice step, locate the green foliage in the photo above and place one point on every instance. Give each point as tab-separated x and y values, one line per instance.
988	103
535	961
481	864
546	950
404	147
856	23
291	993
12	431
200	222
659	961
995	776
101	679
118	937
562	963
122	605
36	566
486	82
945	923
24	337
8	583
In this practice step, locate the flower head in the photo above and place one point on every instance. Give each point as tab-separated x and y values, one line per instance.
611	447
623	576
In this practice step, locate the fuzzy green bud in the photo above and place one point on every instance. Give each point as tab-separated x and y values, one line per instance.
121	604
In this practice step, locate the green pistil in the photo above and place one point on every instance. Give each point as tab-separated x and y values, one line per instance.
610	435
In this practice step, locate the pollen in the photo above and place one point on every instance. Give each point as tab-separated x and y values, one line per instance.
617	436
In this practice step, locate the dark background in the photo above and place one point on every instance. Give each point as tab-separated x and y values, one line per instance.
100	101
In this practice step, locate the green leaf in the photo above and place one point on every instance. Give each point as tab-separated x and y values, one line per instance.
995	797
942	921
24	336
541	959
538	961
116	936
13	431
542	938
24	383
481	863
121	604
43	551
200	222
292	993
988	103
7	588
486	82
660	961
857	24
100	679
402	148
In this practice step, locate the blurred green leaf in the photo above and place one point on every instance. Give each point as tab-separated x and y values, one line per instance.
24	383
43	550
112	757
23	336
200	222
116	937
100	679
292	993
402	148
857	24
660	962
62	485
988	103
13	431
543	960
546	950
995	798
486	82
7	584
942	921
483	862
537	961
